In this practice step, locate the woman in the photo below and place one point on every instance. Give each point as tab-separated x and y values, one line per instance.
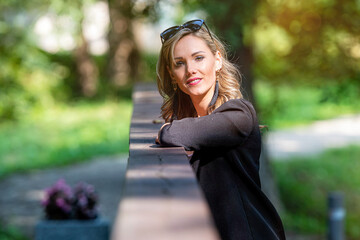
205	113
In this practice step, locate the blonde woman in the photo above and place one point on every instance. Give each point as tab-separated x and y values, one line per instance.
205	113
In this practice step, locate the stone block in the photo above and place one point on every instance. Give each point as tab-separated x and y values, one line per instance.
97	229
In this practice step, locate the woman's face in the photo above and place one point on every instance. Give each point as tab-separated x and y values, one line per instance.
195	68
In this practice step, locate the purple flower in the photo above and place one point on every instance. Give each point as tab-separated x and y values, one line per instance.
58	201
61	202
85	201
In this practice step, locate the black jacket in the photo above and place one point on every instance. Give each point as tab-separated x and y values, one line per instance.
227	146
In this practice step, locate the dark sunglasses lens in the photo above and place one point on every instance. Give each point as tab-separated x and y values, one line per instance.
168	33
194	25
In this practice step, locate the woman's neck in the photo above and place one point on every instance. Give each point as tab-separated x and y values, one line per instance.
201	106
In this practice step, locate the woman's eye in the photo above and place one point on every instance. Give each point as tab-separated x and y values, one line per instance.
179	63
199	58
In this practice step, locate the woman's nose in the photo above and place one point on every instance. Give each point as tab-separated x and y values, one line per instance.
190	69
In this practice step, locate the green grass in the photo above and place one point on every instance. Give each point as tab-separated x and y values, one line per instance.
304	184
64	134
11	233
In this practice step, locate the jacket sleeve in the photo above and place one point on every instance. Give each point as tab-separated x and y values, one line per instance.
228	126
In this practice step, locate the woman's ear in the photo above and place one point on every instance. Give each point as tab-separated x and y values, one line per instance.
218	61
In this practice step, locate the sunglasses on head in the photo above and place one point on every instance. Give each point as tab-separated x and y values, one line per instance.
193	25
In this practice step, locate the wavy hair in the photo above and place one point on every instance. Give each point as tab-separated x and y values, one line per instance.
177	104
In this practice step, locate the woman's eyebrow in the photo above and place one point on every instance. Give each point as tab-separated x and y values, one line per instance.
195	53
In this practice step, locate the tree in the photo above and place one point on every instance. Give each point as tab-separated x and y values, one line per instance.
86	69
24	67
124	57
28	79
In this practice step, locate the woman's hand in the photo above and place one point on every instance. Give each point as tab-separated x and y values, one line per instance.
157	140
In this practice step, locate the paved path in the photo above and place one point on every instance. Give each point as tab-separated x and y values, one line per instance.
314	138
21	193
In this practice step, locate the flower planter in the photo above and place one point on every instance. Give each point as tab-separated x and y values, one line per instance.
97	229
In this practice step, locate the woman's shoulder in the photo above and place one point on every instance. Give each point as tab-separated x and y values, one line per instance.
237	104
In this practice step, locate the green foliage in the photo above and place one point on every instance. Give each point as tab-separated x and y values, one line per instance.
27	80
27	77
282	105
305	182
149	67
63	135
31	78
308	41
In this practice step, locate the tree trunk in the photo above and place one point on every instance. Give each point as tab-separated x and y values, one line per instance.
124	55
86	68
245	60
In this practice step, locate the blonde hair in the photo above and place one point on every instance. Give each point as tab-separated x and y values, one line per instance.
177	104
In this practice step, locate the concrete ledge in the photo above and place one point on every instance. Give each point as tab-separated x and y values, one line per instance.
161	197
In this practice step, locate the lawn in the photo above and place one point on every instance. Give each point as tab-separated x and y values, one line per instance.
10	233
65	134
304	184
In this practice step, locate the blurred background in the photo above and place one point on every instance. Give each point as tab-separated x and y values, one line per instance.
68	68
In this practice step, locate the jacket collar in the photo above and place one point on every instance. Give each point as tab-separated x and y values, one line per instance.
216	94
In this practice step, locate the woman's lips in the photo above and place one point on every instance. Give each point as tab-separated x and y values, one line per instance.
193	81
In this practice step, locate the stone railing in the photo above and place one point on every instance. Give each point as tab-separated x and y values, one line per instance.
161	199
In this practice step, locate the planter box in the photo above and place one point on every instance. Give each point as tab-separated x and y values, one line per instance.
97	229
